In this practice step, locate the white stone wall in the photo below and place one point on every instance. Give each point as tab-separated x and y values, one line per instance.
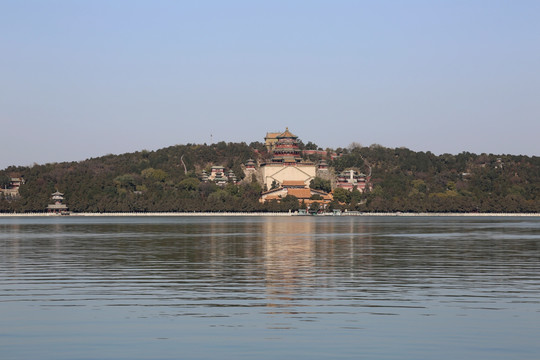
281	173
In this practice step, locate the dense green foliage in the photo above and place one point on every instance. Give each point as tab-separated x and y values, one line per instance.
140	181
320	184
401	180
408	181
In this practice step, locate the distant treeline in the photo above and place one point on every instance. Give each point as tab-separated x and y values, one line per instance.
169	180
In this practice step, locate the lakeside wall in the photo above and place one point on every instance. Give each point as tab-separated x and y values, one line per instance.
170	214
150	214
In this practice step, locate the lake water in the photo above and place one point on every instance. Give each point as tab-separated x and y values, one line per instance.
270	288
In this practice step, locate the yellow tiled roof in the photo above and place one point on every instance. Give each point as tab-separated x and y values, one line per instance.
272	135
287	133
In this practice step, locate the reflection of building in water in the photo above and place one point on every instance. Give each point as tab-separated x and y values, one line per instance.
11	247
302	253
348	249
289	256
229	246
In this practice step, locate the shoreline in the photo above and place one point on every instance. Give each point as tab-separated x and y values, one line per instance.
259	214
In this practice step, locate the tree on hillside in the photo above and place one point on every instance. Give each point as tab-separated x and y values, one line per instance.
402	180
290	202
5	180
342	195
318	183
310	146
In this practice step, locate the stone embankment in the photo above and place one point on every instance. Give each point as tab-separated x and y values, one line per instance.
154	214
351	213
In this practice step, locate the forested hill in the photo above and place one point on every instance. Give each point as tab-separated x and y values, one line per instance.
410	181
402	180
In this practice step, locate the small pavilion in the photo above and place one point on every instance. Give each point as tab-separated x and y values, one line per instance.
58	207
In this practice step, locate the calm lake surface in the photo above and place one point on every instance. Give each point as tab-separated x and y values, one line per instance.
270	288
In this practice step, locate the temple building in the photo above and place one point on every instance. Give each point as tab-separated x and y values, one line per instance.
349	179
270	140
286	150
250	164
204	176
298	190
251	171
12	189
218	176
58	207
231	177
322	165
286	163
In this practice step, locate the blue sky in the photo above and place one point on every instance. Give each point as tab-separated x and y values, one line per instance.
81	79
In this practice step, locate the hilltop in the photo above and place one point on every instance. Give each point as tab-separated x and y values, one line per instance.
169	179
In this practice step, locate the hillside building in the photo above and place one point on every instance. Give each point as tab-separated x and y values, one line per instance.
286	163
349	179
250	164
218	176
270	140
297	189
12	189
58	207
322	165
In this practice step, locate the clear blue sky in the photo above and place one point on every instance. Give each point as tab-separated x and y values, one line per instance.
81	79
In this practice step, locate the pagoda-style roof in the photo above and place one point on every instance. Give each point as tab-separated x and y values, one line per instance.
57	196
272	135
287	134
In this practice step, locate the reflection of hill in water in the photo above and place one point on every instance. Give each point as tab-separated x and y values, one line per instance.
281	251
280	255
269	283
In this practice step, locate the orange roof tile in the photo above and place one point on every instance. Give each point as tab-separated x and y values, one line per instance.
293	183
300	193
272	190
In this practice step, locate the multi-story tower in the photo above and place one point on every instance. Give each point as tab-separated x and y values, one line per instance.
286	163
57	207
286	150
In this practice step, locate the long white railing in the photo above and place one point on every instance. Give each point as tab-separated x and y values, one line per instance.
351	213
156	214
